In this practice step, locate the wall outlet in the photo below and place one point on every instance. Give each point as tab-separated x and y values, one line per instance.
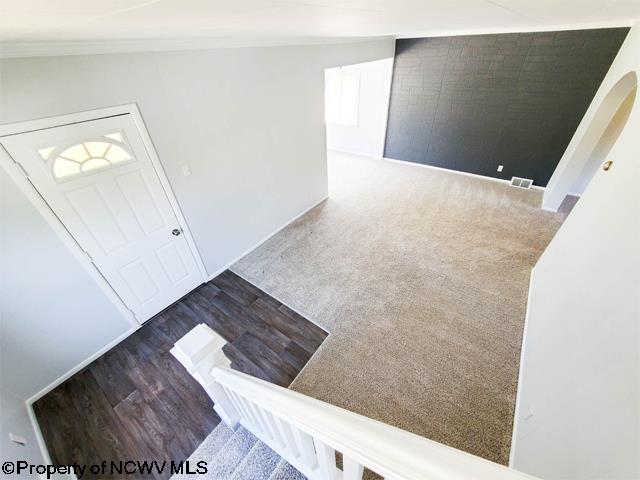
500	167
17	439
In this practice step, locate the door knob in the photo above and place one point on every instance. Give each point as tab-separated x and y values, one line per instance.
607	165
176	231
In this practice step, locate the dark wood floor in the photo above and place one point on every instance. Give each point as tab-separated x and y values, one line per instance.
137	402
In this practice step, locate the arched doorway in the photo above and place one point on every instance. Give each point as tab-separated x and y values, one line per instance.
574	173
604	145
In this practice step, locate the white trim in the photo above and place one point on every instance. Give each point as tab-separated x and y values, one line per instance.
7	163
17	49
442	169
10	166
164	181
38	433
72	371
520	369
65	119
41	443
260	242
353	153
58	381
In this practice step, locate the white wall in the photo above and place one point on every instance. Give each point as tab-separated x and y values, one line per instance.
578	411
250	124
367	137
53	316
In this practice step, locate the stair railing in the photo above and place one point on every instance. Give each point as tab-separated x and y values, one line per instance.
308	432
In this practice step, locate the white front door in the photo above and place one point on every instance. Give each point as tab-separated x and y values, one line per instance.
98	178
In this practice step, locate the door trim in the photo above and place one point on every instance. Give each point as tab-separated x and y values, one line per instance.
16	173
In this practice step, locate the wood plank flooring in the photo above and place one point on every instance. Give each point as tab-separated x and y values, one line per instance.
136	402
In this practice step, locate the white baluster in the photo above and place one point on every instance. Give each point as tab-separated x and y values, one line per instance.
275	431
264	426
250	413
352	470
289	439
238	404
327	460
304	443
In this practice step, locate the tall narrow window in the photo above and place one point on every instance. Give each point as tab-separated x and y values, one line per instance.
342	95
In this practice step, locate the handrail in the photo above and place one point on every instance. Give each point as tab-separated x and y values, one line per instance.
388	451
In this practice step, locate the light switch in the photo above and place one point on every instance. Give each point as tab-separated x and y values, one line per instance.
186	170
499	168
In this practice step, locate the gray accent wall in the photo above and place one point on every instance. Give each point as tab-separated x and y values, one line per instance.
471	103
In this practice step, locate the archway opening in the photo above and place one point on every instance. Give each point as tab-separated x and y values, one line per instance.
607	140
574	174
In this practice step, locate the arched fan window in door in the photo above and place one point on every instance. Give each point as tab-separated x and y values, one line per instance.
87	156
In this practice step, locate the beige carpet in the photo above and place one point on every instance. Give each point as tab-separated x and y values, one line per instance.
421	276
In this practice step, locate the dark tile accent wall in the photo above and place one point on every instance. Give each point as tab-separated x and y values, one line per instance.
471	103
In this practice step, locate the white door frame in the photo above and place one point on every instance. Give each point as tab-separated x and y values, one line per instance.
17	174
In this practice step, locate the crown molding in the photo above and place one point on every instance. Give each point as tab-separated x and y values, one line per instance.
16	49
522	29
10	49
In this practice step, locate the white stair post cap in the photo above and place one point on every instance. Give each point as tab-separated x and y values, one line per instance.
196	345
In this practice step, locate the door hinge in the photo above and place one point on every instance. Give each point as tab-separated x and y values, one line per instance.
22	169
89	256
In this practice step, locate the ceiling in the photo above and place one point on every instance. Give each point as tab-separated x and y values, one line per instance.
94	22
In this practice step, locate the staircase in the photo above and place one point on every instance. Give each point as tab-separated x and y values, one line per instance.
264	424
238	455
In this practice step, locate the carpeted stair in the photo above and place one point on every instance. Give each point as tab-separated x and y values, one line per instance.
238	456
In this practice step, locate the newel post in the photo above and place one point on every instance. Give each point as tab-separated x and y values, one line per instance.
199	351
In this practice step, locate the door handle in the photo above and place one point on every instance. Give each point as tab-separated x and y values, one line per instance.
607	165
176	231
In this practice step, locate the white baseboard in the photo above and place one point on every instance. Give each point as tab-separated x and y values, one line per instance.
43	447
81	365
467	174
38	433
251	249
557	208
34	398
357	154
65	376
